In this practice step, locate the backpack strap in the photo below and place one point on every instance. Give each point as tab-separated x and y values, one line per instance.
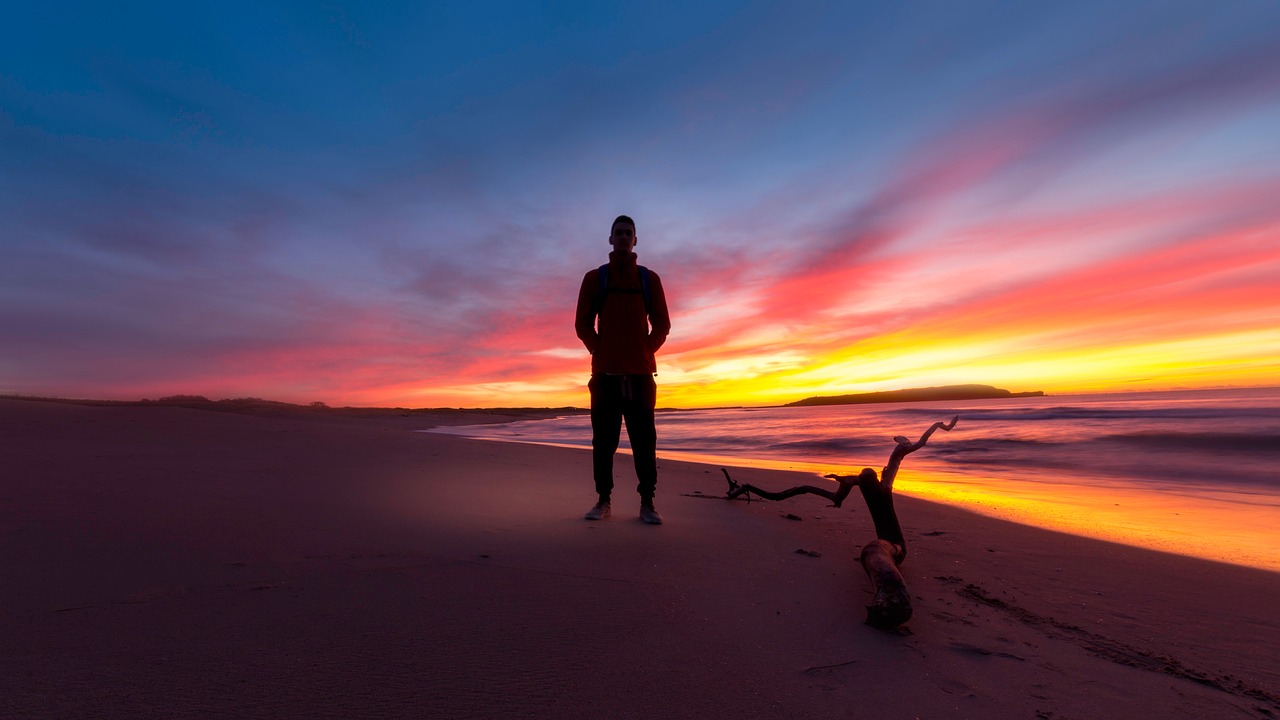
644	287
603	273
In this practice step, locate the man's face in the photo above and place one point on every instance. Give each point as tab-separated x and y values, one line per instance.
623	238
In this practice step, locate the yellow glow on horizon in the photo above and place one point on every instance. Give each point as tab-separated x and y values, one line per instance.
1246	358
891	362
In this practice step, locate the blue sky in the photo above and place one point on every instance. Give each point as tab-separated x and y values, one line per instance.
394	203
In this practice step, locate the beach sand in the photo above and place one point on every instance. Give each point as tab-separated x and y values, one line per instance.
163	562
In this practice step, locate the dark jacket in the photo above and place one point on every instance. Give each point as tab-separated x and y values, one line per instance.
626	337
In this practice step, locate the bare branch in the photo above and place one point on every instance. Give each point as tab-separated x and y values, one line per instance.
846	484
906	447
891	604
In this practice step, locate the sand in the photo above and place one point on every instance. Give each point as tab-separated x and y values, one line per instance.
163	562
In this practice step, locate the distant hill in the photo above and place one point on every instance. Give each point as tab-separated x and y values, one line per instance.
929	394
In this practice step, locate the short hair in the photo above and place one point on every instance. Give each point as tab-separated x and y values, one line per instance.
623	219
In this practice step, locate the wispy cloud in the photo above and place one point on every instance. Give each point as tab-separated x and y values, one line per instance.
381	206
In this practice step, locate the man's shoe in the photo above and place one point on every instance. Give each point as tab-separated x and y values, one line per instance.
599	512
649	515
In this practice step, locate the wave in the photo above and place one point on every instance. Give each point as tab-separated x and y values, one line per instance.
828	447
1005	452
1251	443
1174	440
991	445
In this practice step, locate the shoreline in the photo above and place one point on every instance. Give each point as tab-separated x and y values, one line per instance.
1206	523
178	562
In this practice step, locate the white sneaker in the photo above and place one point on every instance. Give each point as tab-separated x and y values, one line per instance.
650	515
599	512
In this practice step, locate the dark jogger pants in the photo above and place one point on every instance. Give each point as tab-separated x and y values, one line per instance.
613	398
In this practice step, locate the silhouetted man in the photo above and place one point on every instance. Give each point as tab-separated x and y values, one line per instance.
632	324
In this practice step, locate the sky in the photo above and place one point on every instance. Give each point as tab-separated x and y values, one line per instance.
393	204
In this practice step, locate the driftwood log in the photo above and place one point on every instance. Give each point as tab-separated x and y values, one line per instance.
880	558
846	484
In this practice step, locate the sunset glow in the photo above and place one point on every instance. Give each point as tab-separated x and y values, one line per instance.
1127	514
1066	199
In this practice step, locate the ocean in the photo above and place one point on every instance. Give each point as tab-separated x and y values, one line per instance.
1194	472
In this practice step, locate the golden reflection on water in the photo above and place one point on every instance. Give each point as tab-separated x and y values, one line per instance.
1231	527
1228	527
1212	524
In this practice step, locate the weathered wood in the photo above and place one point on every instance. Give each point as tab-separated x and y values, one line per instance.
880	558
906	447
837	498
890	603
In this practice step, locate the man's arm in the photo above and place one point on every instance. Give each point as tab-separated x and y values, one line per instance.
585	319
659	318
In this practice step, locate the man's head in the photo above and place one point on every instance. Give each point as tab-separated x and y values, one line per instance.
622	236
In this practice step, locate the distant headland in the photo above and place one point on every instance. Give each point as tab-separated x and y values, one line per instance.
929	394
